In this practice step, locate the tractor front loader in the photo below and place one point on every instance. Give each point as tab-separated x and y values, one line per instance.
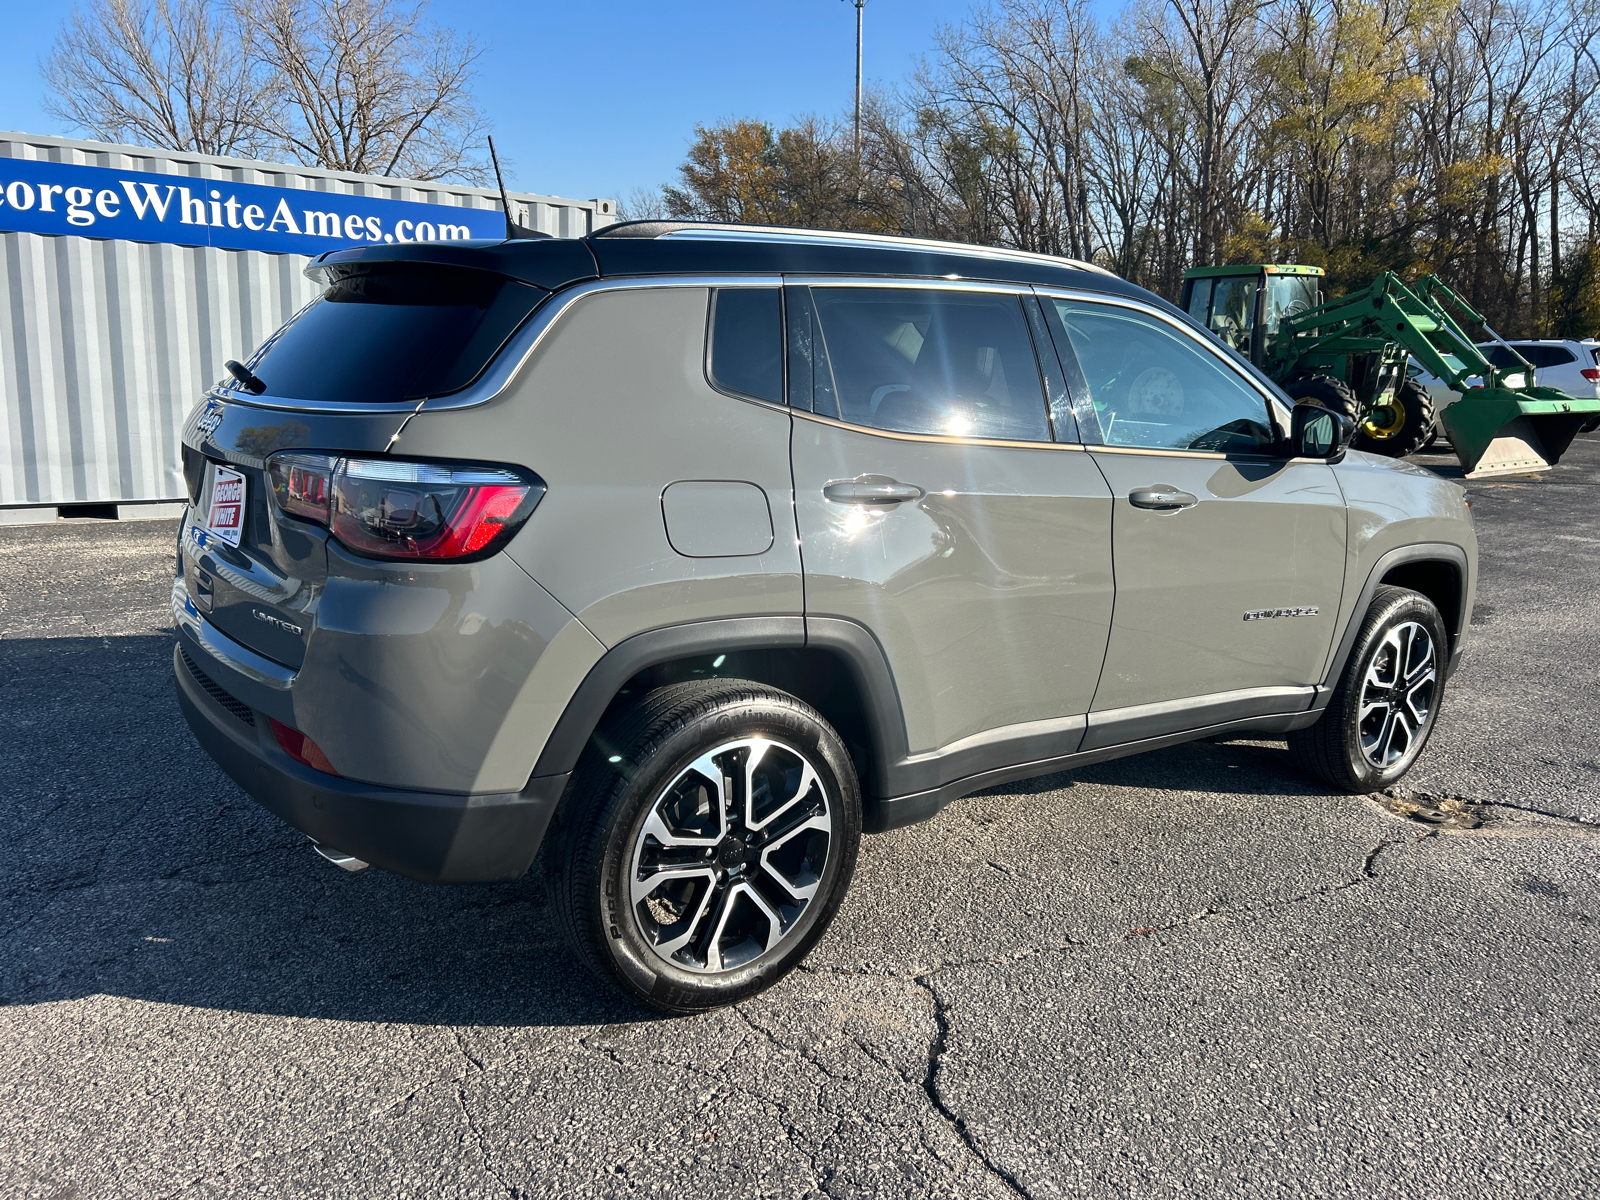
1351	355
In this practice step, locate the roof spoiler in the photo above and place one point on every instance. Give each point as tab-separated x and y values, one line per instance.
547	263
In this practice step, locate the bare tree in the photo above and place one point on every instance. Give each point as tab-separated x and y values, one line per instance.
177	74
371	86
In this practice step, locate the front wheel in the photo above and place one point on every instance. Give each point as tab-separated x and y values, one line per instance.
1387	701
709	837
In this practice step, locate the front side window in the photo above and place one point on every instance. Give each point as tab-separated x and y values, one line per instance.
1151	386
746	352
921	360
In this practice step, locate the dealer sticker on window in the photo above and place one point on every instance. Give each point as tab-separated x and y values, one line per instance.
226	518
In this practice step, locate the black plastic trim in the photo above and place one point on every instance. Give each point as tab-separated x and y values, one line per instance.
1120	726
1446	552
901	782
900	811
652	648
427	836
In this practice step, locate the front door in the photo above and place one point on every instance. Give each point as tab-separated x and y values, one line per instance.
936	510
1229	558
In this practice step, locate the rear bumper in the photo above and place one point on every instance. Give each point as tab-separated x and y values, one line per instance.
427	836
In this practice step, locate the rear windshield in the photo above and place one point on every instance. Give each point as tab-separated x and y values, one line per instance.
401	332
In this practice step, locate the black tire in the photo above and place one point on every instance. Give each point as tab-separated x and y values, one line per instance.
1325	392
1416	422
1336	749
599	850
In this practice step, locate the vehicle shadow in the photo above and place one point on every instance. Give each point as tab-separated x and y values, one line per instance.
137	869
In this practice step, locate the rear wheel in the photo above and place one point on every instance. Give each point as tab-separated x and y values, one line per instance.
1387	701
1398	426
709	836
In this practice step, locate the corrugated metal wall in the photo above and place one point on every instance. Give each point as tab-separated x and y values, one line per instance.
106	345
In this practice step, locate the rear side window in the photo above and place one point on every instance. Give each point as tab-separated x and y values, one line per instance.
746	355
924	360
1547	356
394	332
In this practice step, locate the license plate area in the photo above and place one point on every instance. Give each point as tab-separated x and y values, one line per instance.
225	504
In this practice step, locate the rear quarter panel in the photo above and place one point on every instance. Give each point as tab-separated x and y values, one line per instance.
612	407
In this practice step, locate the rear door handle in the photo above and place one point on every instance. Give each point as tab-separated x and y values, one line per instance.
871	489
1162	497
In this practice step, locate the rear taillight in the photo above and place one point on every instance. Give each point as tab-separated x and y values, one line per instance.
386	508
1592	374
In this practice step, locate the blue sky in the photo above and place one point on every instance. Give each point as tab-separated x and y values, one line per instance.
594	100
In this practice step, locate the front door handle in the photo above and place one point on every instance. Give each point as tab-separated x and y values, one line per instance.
1162	497
871	489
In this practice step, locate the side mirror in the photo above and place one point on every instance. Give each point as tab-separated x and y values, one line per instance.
1316	432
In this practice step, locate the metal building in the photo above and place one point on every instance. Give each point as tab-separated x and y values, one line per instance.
128	276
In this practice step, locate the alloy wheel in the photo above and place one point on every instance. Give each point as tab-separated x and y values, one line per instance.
730	855
1397	695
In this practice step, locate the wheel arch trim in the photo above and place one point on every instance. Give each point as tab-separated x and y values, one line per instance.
854	645
1444	553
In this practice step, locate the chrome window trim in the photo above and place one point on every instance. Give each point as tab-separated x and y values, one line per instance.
508	364
1275	407
942	439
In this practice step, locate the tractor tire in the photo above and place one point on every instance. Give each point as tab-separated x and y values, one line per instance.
1393	433
1325	392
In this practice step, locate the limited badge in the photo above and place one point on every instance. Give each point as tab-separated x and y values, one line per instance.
226	515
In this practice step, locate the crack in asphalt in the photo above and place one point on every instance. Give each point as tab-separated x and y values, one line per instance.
938	1043
476	1063
930	1087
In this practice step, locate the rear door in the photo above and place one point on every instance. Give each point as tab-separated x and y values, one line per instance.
936	510
1229	559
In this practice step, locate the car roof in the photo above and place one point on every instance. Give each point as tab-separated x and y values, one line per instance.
706	248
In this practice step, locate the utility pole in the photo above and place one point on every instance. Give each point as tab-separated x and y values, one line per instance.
860	4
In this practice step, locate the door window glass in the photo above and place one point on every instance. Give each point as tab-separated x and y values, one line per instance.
928	361
747	342
1149	385
1200	299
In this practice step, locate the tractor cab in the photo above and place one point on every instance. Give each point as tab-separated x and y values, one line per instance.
1242	305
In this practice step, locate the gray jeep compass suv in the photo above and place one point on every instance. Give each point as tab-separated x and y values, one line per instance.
689	552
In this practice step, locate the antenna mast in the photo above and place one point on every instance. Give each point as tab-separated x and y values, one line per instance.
505	200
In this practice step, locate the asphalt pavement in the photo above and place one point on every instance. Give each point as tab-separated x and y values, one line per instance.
1189	973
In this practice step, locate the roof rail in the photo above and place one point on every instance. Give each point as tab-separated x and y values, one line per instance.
722	232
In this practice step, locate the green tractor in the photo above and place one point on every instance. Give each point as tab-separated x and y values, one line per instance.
1352	355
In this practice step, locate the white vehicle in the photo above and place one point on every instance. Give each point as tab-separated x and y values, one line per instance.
1570	367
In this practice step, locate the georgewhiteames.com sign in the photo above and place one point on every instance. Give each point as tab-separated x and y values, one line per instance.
103	202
